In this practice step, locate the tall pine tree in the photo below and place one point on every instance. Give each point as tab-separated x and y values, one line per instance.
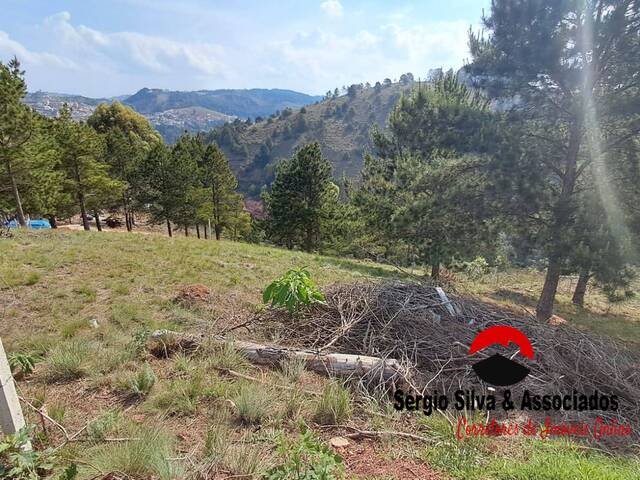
299	195
569	69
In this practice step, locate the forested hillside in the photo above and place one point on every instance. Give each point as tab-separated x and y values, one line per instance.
341	123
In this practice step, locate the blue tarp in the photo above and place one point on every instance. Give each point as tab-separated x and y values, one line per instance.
30	223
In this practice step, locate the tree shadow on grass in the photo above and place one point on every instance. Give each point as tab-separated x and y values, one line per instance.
368	270
514	296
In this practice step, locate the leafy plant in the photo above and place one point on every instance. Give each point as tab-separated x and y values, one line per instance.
142	382
307	459
293	290
25	363
477	268
19	462
139	340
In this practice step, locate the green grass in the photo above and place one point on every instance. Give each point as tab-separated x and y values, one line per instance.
54	284
521	288
129	280
521	458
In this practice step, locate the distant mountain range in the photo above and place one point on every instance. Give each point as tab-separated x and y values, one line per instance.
173	112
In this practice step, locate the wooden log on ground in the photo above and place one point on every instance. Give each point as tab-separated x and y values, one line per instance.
164	342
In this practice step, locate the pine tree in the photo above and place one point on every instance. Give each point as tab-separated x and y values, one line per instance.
167	182
218	178
570	70
299	193
85	176
428	186
17	126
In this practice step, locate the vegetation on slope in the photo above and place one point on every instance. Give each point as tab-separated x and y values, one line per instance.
340	123
83	302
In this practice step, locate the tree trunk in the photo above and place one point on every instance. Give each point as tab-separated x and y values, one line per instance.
125	208
206	232
209	223
218	229
169	228
97	217
435	270
544	308
328	364
186	231
198	230
581	288
52	221
16	195
83	212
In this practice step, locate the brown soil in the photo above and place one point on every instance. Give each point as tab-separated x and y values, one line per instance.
367	459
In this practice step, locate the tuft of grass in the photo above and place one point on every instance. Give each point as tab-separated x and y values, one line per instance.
106	423
293	405
18	277
334	405
56	411
181	397
141	383
90	294
147	455
252	403
68	360
292	369
71	328
182	364
245	458
226	356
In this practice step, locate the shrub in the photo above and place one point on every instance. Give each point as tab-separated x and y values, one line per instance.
293	290
476	268
68	361
307	458
142	382
252	403
334	406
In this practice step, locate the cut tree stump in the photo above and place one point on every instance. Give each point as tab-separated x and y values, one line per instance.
164	342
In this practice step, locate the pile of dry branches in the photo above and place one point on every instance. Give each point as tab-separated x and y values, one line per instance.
410	322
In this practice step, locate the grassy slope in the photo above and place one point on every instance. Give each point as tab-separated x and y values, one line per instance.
52	284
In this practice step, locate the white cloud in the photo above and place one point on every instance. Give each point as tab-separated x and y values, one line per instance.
138	51
10	48
333	8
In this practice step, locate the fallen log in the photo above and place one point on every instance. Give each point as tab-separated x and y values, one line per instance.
164	342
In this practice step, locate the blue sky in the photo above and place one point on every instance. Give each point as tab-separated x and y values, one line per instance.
114	47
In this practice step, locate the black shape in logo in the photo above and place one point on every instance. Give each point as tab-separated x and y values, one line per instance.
497	369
